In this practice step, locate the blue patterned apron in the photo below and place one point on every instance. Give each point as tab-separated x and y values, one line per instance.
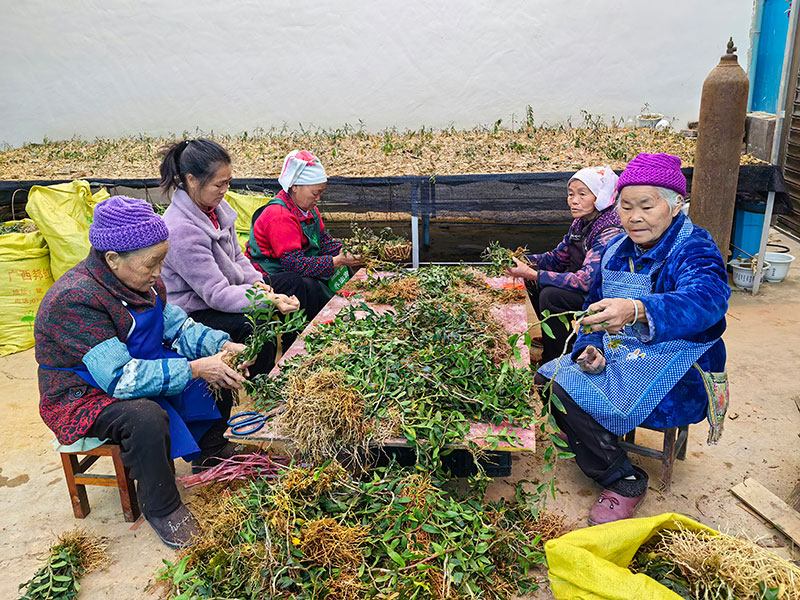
637	375
193	411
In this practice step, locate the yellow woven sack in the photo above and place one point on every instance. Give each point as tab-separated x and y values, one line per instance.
63	214
591	563
25	273
245	205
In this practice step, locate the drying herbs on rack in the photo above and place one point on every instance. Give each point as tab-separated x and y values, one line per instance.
376	249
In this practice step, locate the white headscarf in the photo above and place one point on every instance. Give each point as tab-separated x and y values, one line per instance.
602	181
301	167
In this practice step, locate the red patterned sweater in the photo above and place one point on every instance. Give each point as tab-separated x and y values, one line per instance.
81	310
279	234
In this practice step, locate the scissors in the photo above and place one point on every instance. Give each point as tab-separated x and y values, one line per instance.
245	423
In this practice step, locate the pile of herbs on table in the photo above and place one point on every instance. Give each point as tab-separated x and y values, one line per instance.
424	371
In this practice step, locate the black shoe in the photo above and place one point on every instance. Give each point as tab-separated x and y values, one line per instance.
211	457
176	529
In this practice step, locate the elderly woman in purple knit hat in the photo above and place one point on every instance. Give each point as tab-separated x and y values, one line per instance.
559	280
118	363
652	337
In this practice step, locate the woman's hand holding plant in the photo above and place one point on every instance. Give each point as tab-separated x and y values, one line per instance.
521	270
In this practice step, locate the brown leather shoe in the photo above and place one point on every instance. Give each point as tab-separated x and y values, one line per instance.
611	506
176	529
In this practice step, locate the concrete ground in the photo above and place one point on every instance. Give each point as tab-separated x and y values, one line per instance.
760	441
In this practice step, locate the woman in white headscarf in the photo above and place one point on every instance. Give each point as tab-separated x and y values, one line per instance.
288	242
559	280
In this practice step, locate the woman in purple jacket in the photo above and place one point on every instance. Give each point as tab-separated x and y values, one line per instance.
205	272
559	280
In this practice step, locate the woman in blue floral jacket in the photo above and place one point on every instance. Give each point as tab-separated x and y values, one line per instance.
559	279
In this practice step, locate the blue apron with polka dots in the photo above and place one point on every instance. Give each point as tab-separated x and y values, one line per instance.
637	375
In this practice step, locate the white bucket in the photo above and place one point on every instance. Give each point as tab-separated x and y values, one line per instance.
743	276
779	266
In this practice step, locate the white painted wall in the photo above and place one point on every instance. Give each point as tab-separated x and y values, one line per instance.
112	67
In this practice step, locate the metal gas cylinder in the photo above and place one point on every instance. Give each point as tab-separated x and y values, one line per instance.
723	109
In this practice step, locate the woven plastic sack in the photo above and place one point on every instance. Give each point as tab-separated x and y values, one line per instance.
63	214
245	205
25	273
591	563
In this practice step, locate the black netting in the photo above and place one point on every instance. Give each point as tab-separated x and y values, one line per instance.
458	215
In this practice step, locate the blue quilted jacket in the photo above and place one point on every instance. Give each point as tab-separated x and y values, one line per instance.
689	301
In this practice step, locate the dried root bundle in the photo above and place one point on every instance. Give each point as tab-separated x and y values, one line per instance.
722	566
376	248
326	543
388	290
323	415
699	565
311	483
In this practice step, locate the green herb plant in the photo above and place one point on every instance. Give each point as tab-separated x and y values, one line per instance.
72	556
318	533
268	324
377	250
424	371
500	258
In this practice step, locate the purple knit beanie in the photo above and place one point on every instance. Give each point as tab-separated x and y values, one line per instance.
660	170
123	224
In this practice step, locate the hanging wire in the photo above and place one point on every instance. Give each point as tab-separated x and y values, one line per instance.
13	212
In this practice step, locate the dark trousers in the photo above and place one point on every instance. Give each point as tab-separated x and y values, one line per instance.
555	300
141	428
239	328
309	291
596	449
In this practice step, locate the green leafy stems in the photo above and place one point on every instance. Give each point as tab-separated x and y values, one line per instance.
394	534
74	554
268	324
500	258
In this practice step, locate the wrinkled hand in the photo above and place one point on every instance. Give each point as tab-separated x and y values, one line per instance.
591	360
521	270
215	372
611	315
347	260
263	286
234	349
286	304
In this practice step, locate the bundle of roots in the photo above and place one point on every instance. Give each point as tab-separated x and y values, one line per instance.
723	566
324	417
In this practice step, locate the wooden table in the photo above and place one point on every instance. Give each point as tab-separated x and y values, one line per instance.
513	316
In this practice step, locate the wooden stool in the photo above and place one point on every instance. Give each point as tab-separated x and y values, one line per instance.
78	479
675	442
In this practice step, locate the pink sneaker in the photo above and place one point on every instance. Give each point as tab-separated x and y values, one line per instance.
611	506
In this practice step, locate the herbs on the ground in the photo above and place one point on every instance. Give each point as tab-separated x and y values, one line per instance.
318	533
74	554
